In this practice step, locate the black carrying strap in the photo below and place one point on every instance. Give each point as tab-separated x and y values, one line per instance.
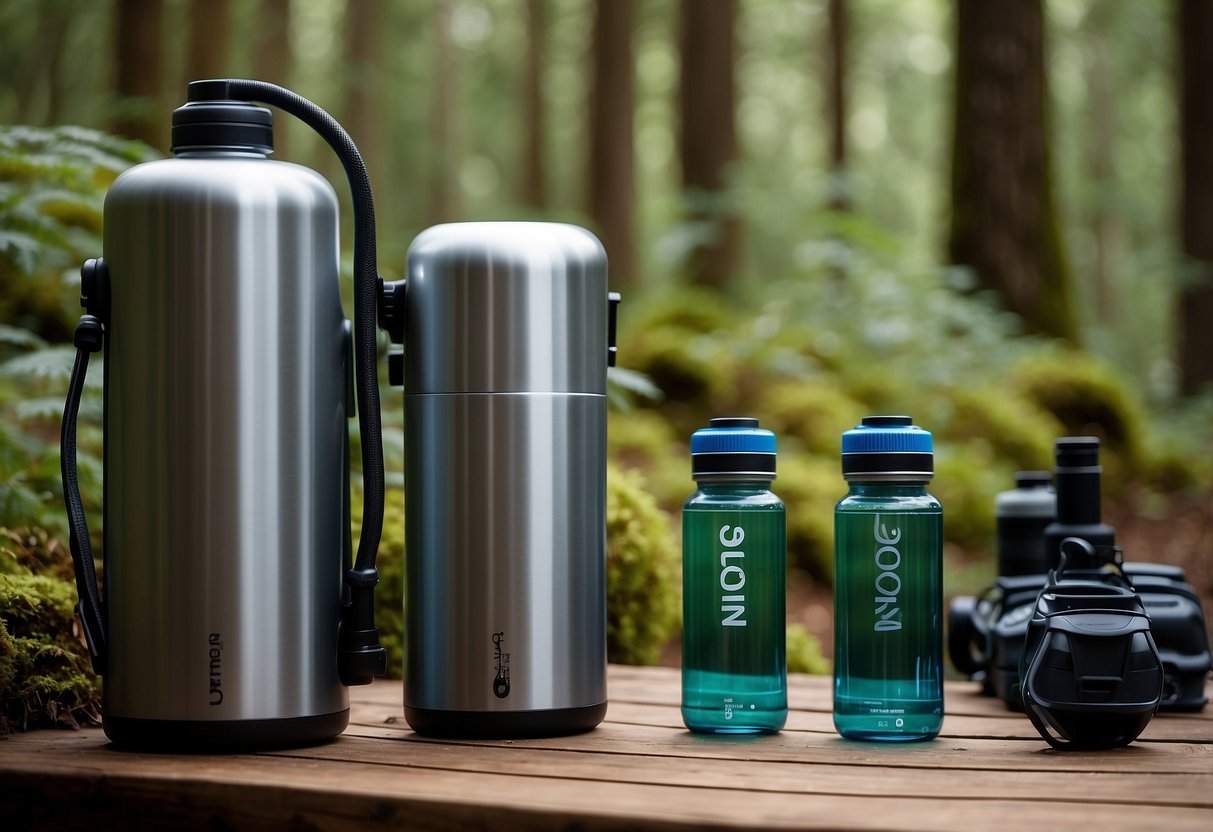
88	339
360	657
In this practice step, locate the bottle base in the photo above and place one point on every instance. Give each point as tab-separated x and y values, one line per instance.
432	722
884	736
199	735
709	721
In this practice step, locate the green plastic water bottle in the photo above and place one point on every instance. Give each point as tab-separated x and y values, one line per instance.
734	556
888	593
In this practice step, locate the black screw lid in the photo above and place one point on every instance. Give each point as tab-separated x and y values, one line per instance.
206	122
1077	452
1033	479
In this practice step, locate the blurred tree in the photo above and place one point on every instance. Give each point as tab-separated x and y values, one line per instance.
272	55
209	36
837	26
1004	218
534	146
708	136
137	78
1105	227
364	24
444	123
45	76
612	162
1195	310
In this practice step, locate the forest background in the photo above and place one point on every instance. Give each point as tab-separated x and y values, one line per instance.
995	216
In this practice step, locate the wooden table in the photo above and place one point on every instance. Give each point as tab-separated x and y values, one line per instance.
988	770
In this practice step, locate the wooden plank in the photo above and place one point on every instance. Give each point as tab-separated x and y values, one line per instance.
275	792
795	747
804	777
982	721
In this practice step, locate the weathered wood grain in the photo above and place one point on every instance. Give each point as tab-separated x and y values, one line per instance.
639	768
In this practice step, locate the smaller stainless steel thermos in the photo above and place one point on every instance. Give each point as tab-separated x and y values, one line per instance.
507	330
228	383
888	585
734	562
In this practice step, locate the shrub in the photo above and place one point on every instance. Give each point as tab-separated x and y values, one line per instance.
809	487
643	569
811	414
1015	430
804	652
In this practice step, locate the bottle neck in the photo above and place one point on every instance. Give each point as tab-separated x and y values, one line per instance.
734	487
888	489
224	152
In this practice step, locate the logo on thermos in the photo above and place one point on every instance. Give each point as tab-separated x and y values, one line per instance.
216	656
501	684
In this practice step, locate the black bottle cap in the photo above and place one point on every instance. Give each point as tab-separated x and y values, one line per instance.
208	122
1033	479
1077	452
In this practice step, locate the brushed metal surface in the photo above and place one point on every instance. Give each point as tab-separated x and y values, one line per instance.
506	533
224	423
505	307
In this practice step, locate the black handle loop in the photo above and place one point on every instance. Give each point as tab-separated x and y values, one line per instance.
360	657
89	338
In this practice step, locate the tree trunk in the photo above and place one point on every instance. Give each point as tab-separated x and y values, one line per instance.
209	38
138	67
273	57
444	127
534	191
365	22
1105	229
836	101
1195	313
612	165
1004	217
708	136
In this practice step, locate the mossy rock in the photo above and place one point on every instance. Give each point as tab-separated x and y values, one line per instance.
1015	430
810	414
643	572
804	652
809	487
34	551
46	678
1087	398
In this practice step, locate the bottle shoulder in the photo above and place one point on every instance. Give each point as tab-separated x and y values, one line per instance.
724	499
243	179
924	503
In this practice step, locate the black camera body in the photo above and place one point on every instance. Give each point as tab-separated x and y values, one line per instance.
987	635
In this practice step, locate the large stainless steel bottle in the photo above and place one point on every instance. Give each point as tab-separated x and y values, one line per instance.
227	373
506	351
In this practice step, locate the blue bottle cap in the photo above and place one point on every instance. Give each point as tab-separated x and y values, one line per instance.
888	448
732	448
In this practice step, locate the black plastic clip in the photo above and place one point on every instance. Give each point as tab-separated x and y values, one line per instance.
613	301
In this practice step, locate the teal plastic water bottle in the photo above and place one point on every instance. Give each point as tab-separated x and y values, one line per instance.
888	593
734	556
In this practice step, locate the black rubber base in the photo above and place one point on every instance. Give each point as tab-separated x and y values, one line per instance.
504	724
234	735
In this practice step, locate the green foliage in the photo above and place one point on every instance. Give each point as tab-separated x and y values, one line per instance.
967	477
1086	397
643	607
809	487
52	184
810	414
804	652
389	593
45	676
1014	430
